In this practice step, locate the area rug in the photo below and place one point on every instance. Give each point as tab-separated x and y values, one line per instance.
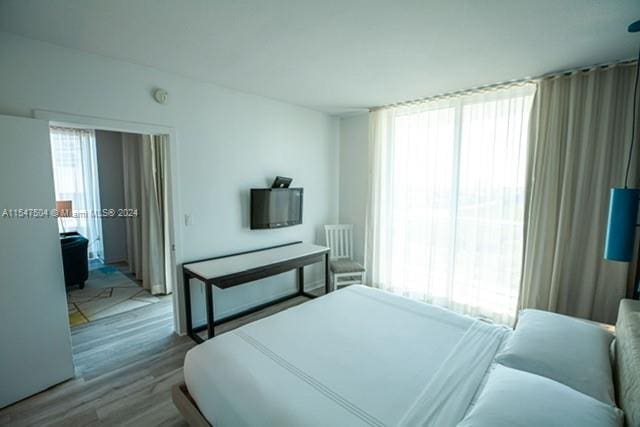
107	292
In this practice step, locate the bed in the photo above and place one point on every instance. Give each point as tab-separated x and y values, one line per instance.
356	357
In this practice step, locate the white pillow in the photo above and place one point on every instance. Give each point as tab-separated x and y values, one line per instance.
568	350
513	398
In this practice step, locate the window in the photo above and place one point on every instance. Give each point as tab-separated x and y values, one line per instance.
448	227
75	171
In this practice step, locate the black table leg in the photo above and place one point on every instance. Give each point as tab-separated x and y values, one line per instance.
327	284
187	302
301	280
209	296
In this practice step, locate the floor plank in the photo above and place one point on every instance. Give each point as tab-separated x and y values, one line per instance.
125	366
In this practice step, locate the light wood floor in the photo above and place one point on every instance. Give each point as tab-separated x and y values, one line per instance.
125	367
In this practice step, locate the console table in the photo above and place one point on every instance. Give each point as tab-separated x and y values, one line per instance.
232	270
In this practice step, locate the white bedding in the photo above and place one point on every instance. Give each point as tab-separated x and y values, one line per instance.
358	356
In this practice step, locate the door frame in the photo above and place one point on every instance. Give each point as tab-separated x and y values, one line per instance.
97	123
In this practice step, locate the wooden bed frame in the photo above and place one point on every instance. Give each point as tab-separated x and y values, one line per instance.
626	371
187	406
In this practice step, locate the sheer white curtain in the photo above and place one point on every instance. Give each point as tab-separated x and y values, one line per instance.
446	204
75	172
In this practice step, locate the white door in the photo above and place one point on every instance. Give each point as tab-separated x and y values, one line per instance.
35	349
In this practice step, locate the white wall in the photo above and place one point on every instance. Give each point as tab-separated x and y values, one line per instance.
111	182
227	143
354	184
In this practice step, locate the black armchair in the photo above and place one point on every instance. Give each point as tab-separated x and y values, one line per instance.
75	260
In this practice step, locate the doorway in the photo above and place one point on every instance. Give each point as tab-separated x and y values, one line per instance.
112	196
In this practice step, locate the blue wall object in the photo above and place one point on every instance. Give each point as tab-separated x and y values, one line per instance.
621	228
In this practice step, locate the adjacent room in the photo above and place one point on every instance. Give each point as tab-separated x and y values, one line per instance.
312	213
115	258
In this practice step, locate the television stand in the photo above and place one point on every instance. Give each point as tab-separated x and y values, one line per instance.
236	269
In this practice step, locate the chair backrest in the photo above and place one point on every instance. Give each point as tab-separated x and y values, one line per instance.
339	238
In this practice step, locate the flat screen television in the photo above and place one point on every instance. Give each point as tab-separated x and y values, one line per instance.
275	207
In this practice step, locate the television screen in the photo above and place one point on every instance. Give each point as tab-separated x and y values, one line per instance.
275	207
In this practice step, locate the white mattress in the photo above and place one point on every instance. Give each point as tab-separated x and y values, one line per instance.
358	356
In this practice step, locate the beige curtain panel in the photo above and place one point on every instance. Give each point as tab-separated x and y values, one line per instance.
579	140
145	190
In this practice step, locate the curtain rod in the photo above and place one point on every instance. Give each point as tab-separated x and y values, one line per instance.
507	84
84	129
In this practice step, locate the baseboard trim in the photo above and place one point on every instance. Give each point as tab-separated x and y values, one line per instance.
114	261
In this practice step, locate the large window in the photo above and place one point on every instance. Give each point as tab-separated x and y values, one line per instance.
450	178
75	171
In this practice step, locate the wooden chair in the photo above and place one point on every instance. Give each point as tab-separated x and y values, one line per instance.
344	270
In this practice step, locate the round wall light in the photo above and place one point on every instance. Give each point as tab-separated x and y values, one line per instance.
161	96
